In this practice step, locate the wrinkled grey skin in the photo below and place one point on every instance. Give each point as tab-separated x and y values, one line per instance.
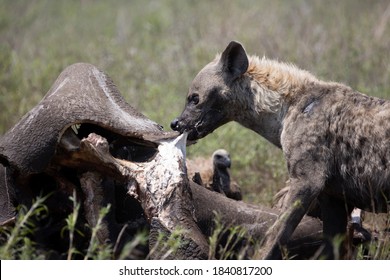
335	140
82	94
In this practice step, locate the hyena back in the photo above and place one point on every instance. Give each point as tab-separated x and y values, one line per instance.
335	140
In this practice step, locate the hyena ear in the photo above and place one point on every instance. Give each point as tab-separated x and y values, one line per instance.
234	60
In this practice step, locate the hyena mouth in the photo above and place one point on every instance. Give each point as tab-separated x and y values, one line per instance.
195	132
206	125
198	126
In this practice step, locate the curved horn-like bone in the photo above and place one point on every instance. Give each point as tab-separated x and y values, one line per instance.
81	94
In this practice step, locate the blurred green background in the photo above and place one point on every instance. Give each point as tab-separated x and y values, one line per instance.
153	49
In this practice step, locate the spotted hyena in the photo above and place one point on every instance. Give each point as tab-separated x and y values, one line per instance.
335	140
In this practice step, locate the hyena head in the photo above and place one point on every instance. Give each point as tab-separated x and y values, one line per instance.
210	98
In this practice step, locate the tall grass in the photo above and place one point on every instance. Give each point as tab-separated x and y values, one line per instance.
229	242
70	227
17	241
225	241
17	244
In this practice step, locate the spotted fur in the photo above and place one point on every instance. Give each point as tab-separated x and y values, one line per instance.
335	139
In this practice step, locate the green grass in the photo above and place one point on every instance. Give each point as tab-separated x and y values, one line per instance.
225	242
17	241
153	49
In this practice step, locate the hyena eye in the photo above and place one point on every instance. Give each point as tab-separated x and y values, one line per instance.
193	98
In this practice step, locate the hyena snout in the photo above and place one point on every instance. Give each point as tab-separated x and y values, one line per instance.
175	124
179	125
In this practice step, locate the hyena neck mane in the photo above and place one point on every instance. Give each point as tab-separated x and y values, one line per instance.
265	93
274	82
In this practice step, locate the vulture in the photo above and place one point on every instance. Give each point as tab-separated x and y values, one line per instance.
214	174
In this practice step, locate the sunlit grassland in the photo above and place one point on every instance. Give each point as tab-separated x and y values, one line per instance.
153	49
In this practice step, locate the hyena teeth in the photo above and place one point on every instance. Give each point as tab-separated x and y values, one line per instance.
76	128
198	123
